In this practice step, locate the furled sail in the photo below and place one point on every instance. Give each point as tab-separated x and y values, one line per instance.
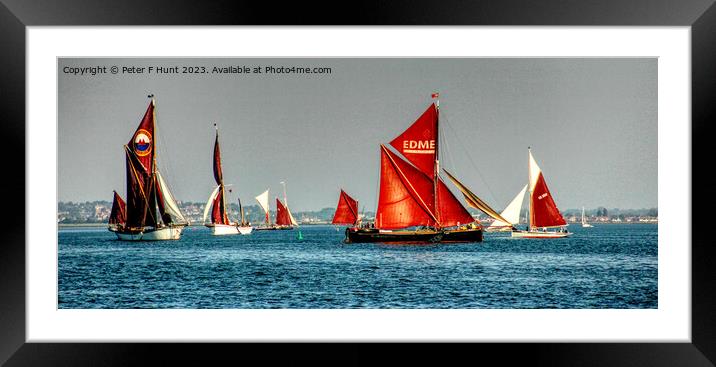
283	218
168	208
473	200
118	213
263	200
511	214
543	210
346	210
418	144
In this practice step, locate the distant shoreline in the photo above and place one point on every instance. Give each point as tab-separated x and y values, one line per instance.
71	225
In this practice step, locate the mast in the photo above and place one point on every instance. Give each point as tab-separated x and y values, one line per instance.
155	209
285	202
437	162
241	210
529	178
225	214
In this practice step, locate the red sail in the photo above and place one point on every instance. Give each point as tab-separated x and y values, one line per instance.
544	212
452	213
282	217
218	211
346	211
142	142
217	162
139	187
406	194
419	142
118	214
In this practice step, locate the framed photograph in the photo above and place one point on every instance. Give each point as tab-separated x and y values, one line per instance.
311	182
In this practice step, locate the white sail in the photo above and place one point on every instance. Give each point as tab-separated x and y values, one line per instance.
293	221
584	220
263	200
209	202
512	212
285	203
534	172
170	205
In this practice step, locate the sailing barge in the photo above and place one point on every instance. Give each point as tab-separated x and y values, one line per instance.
284	218
150	212
414	204
220	223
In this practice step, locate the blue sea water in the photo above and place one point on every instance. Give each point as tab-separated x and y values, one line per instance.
608	266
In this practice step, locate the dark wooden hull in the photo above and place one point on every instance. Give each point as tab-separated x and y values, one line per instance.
363	235
273	228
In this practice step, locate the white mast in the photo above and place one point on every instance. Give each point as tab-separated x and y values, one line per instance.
285	202
529	177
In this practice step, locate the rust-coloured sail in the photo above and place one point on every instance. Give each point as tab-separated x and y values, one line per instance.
346	211
418	144
138	193
142	142
544	212
218	210
119	209
218	176
452	213
282	216
543	209
405	198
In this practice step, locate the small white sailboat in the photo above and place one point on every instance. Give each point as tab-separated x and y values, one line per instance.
511	213
220	224
543	212
584	221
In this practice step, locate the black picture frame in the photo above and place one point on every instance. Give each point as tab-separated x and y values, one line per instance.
16	15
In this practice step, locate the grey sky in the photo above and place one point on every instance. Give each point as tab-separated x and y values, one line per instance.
591	123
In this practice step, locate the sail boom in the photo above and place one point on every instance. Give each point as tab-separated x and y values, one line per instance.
474	201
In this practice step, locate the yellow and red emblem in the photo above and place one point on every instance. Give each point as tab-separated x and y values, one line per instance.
142	142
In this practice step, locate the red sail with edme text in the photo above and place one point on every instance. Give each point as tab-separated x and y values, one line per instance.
418	144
